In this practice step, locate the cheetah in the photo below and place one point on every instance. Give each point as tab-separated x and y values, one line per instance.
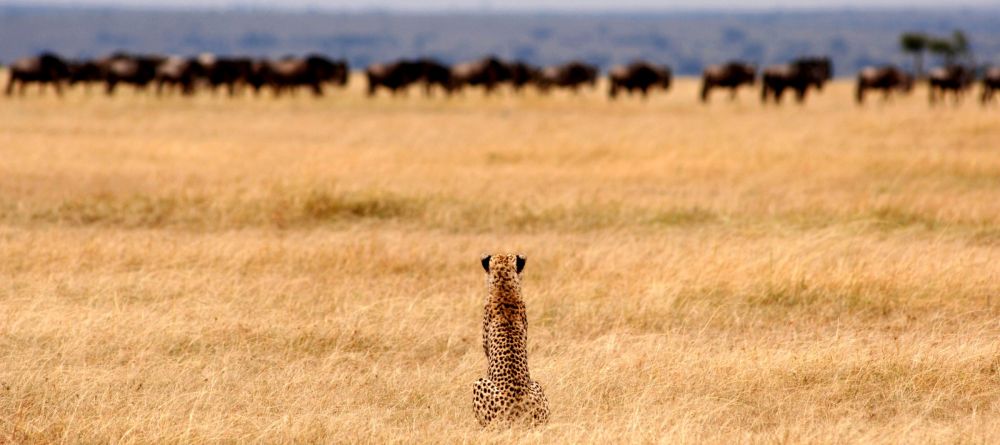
507	395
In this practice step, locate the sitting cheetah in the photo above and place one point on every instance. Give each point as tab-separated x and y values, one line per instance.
507	395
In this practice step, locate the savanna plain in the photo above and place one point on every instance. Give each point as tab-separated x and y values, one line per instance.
301	270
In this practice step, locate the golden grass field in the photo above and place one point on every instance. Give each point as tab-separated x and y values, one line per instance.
216	270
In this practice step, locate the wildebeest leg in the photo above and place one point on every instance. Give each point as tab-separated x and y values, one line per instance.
800	94
645	92
778	92
764	92
58	86
10	85
231	88
705	88
732	94
317	89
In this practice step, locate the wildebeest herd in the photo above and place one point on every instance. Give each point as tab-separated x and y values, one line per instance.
187	75
489	73
177	74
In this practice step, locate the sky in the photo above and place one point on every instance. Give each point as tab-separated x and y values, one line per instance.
521	5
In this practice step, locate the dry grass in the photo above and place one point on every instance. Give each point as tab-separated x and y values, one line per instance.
216	270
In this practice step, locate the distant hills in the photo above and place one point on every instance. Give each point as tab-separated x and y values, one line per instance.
686	41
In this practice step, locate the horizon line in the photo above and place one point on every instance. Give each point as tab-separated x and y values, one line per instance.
749	10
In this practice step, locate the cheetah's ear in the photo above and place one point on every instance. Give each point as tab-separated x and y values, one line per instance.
520	263
486	262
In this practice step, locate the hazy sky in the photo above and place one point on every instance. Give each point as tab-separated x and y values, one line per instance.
500	5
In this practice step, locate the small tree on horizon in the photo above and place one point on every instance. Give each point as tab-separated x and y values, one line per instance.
915	43
952	48
960	45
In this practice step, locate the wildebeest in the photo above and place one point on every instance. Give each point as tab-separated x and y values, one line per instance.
182	73
291	72
886	78
570	75
393	76
638	75
335	72
85	72
799	75
953	78
46	68
231	72
991	83
133	69
399	75
432	72
489	73
522	74
732	75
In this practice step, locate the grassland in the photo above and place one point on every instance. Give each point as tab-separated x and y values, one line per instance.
298	271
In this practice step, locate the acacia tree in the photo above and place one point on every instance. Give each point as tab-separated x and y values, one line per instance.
915	43
960	45
950	49
944	48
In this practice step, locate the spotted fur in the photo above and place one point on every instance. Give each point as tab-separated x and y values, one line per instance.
507	395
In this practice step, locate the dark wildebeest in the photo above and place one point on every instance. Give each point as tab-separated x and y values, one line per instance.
86	72
489	73
335	72
180	73
522	74
954	78
886	78
394	76
46	68
292	72
431	73
231	72
136	70
991	83
170	73
799	75
730	75
639	75
256	75
570	75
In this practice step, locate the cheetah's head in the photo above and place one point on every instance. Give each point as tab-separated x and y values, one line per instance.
503	272
494	264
